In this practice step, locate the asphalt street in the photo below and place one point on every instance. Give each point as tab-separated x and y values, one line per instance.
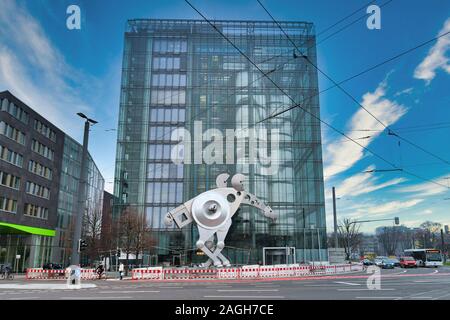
396	284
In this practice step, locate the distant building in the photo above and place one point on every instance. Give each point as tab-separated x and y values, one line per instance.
369	244
446	229
39	174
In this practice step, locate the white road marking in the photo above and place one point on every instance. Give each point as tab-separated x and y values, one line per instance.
250	297
93	298
422	297
348	283
24	298
378	297
389	289
133	291
246	290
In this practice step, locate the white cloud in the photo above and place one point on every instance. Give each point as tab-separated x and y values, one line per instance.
34	70
392	207
342	154
425	189
436	58
404	91
362	183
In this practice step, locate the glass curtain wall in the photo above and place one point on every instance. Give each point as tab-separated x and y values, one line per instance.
183	74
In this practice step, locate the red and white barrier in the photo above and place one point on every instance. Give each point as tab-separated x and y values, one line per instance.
39	273
244	272
249	272
154	273
228	273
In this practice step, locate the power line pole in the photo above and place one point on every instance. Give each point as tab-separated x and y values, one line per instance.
75	257
443	251
336	244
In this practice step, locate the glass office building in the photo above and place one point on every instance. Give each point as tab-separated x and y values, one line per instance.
182	74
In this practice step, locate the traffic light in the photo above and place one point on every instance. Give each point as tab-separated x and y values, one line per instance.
82	245
397	220
118	253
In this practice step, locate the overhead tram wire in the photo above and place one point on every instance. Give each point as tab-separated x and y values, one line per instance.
328	28
390	131
360	74
305	110
293	58
282	64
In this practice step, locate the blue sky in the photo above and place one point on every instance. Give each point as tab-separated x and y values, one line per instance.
60	72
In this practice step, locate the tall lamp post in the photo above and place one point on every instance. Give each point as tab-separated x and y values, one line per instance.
75	257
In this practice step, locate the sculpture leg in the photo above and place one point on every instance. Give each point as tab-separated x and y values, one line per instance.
204	235
221	235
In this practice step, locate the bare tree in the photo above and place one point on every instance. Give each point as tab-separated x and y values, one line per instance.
128	226
430	234
92	229
142	238
349	236
388	238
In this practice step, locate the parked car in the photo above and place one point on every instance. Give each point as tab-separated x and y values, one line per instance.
367	262
379	260
396	262
387	264
408	262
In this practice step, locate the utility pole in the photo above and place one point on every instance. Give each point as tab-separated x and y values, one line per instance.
336	243
444	252
75	257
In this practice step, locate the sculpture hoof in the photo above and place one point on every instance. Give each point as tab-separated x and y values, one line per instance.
200	244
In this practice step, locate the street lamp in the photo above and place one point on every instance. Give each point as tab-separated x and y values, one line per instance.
75	257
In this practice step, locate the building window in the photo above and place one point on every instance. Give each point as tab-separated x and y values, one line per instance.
40	170
14	110
12	133
166	63
42	149
44	130
34	211
170	46
37	190
9	180
11	156
8	205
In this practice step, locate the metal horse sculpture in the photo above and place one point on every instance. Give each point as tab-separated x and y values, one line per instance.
212	212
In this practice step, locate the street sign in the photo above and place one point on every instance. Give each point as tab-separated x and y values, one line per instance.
17	256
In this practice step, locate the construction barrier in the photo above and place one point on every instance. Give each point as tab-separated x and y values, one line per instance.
249	272
244	272
39	273
228	273
154	273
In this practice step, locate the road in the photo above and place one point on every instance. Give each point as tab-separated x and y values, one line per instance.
397	284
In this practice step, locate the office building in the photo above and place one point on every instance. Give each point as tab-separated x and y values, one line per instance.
182	74
39	174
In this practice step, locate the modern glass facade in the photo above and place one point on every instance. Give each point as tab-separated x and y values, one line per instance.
68	200
182	74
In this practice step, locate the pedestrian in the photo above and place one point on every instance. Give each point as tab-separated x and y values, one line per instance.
121	267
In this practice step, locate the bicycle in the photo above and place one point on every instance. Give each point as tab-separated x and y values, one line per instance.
7	275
